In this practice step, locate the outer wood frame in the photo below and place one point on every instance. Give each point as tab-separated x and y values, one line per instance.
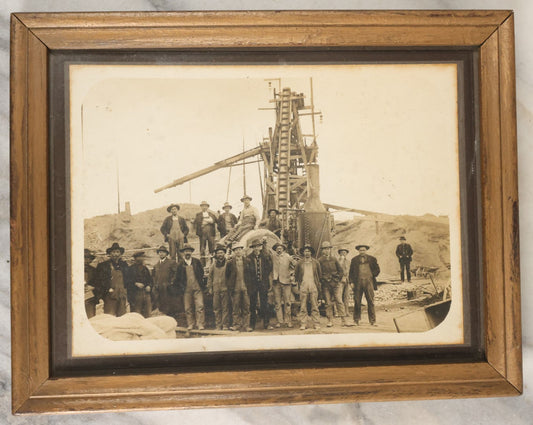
34	35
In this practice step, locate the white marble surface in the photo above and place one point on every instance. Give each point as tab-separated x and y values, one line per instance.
516	410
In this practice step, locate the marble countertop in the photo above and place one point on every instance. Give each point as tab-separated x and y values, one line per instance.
513	410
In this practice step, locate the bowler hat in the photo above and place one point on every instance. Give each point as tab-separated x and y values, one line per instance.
187	247
246	197
88	254
326	244
343	249
309	247
172	205
255	242
204	203
163	248
279	244
113	247
227	205
357	247
139	254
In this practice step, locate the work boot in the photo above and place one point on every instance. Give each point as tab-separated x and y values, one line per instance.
329	325
302	328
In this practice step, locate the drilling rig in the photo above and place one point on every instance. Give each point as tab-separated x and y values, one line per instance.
291	172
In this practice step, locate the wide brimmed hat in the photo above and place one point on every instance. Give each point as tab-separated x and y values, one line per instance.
402	238
309	247
255	242
139	254
279	244
220	248
343	249
88	254
357	247
171	206
246	197
326	244
187	247
226	205
113	247
163	248
237	246
273	209
204	203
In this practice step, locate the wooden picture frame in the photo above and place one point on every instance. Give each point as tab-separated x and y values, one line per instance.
490	34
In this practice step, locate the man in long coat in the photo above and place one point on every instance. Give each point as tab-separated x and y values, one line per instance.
139	286
259	270
163	275
363	272
175	231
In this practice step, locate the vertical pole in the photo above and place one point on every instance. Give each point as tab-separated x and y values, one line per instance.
312	109
243	170
118	185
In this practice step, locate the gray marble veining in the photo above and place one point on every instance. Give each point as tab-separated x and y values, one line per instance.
518	410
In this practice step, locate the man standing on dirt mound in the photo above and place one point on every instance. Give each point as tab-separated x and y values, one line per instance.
404	252
363	272
175	231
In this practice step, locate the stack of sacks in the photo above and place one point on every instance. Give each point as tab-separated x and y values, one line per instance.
133	326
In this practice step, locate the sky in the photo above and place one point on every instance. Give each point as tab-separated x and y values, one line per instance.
387	138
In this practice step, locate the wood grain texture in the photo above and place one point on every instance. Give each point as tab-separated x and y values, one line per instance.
34	34
511	243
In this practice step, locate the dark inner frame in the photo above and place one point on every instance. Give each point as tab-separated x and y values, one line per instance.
61	362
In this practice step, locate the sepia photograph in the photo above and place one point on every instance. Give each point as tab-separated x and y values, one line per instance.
264	207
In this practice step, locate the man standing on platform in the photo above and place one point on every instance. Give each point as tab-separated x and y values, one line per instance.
226	221
163	275
363	272
259	274
282	265
217	286
239	289
331	283
190	278
175	230
404	252
139	286
307	276
111	280
205	229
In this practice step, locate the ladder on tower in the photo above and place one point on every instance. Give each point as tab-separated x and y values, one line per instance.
284	151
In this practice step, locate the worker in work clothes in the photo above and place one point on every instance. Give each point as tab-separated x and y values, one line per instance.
346	288
259	269
307	276
110	281
248	220
190	278
175	231
331	283
363	272
217	286
139	286
238	287
205	223
226	221
282	266
89	286
272	223
404	252
163	274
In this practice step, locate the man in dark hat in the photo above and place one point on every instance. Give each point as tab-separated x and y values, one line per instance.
139	286
331	276
239	287
363	272
248	220
272	223
90	273
190	280
259	274
163	274
226	221
175	230
346	289
404	252
307	276
111	277
282	266
217	286
204	224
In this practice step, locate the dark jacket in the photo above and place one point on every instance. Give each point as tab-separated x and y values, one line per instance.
250	272
221	223
167	225
90	275
354	269
180	281
231	274
102	281
404	251
317	272
198	223
137	273
163	275
331	270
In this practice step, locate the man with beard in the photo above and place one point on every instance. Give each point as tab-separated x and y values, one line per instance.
139	286
163	274
259	274
239	288
110	281
217	286
175	230
363	272
190	278
90	273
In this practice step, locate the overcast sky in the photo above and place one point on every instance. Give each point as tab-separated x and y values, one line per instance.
387	140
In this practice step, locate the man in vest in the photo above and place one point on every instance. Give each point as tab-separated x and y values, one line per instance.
282	265
404	252
163	275
110	281
139	286
190	278
175	230
331	283
239	288
217	286
307	276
